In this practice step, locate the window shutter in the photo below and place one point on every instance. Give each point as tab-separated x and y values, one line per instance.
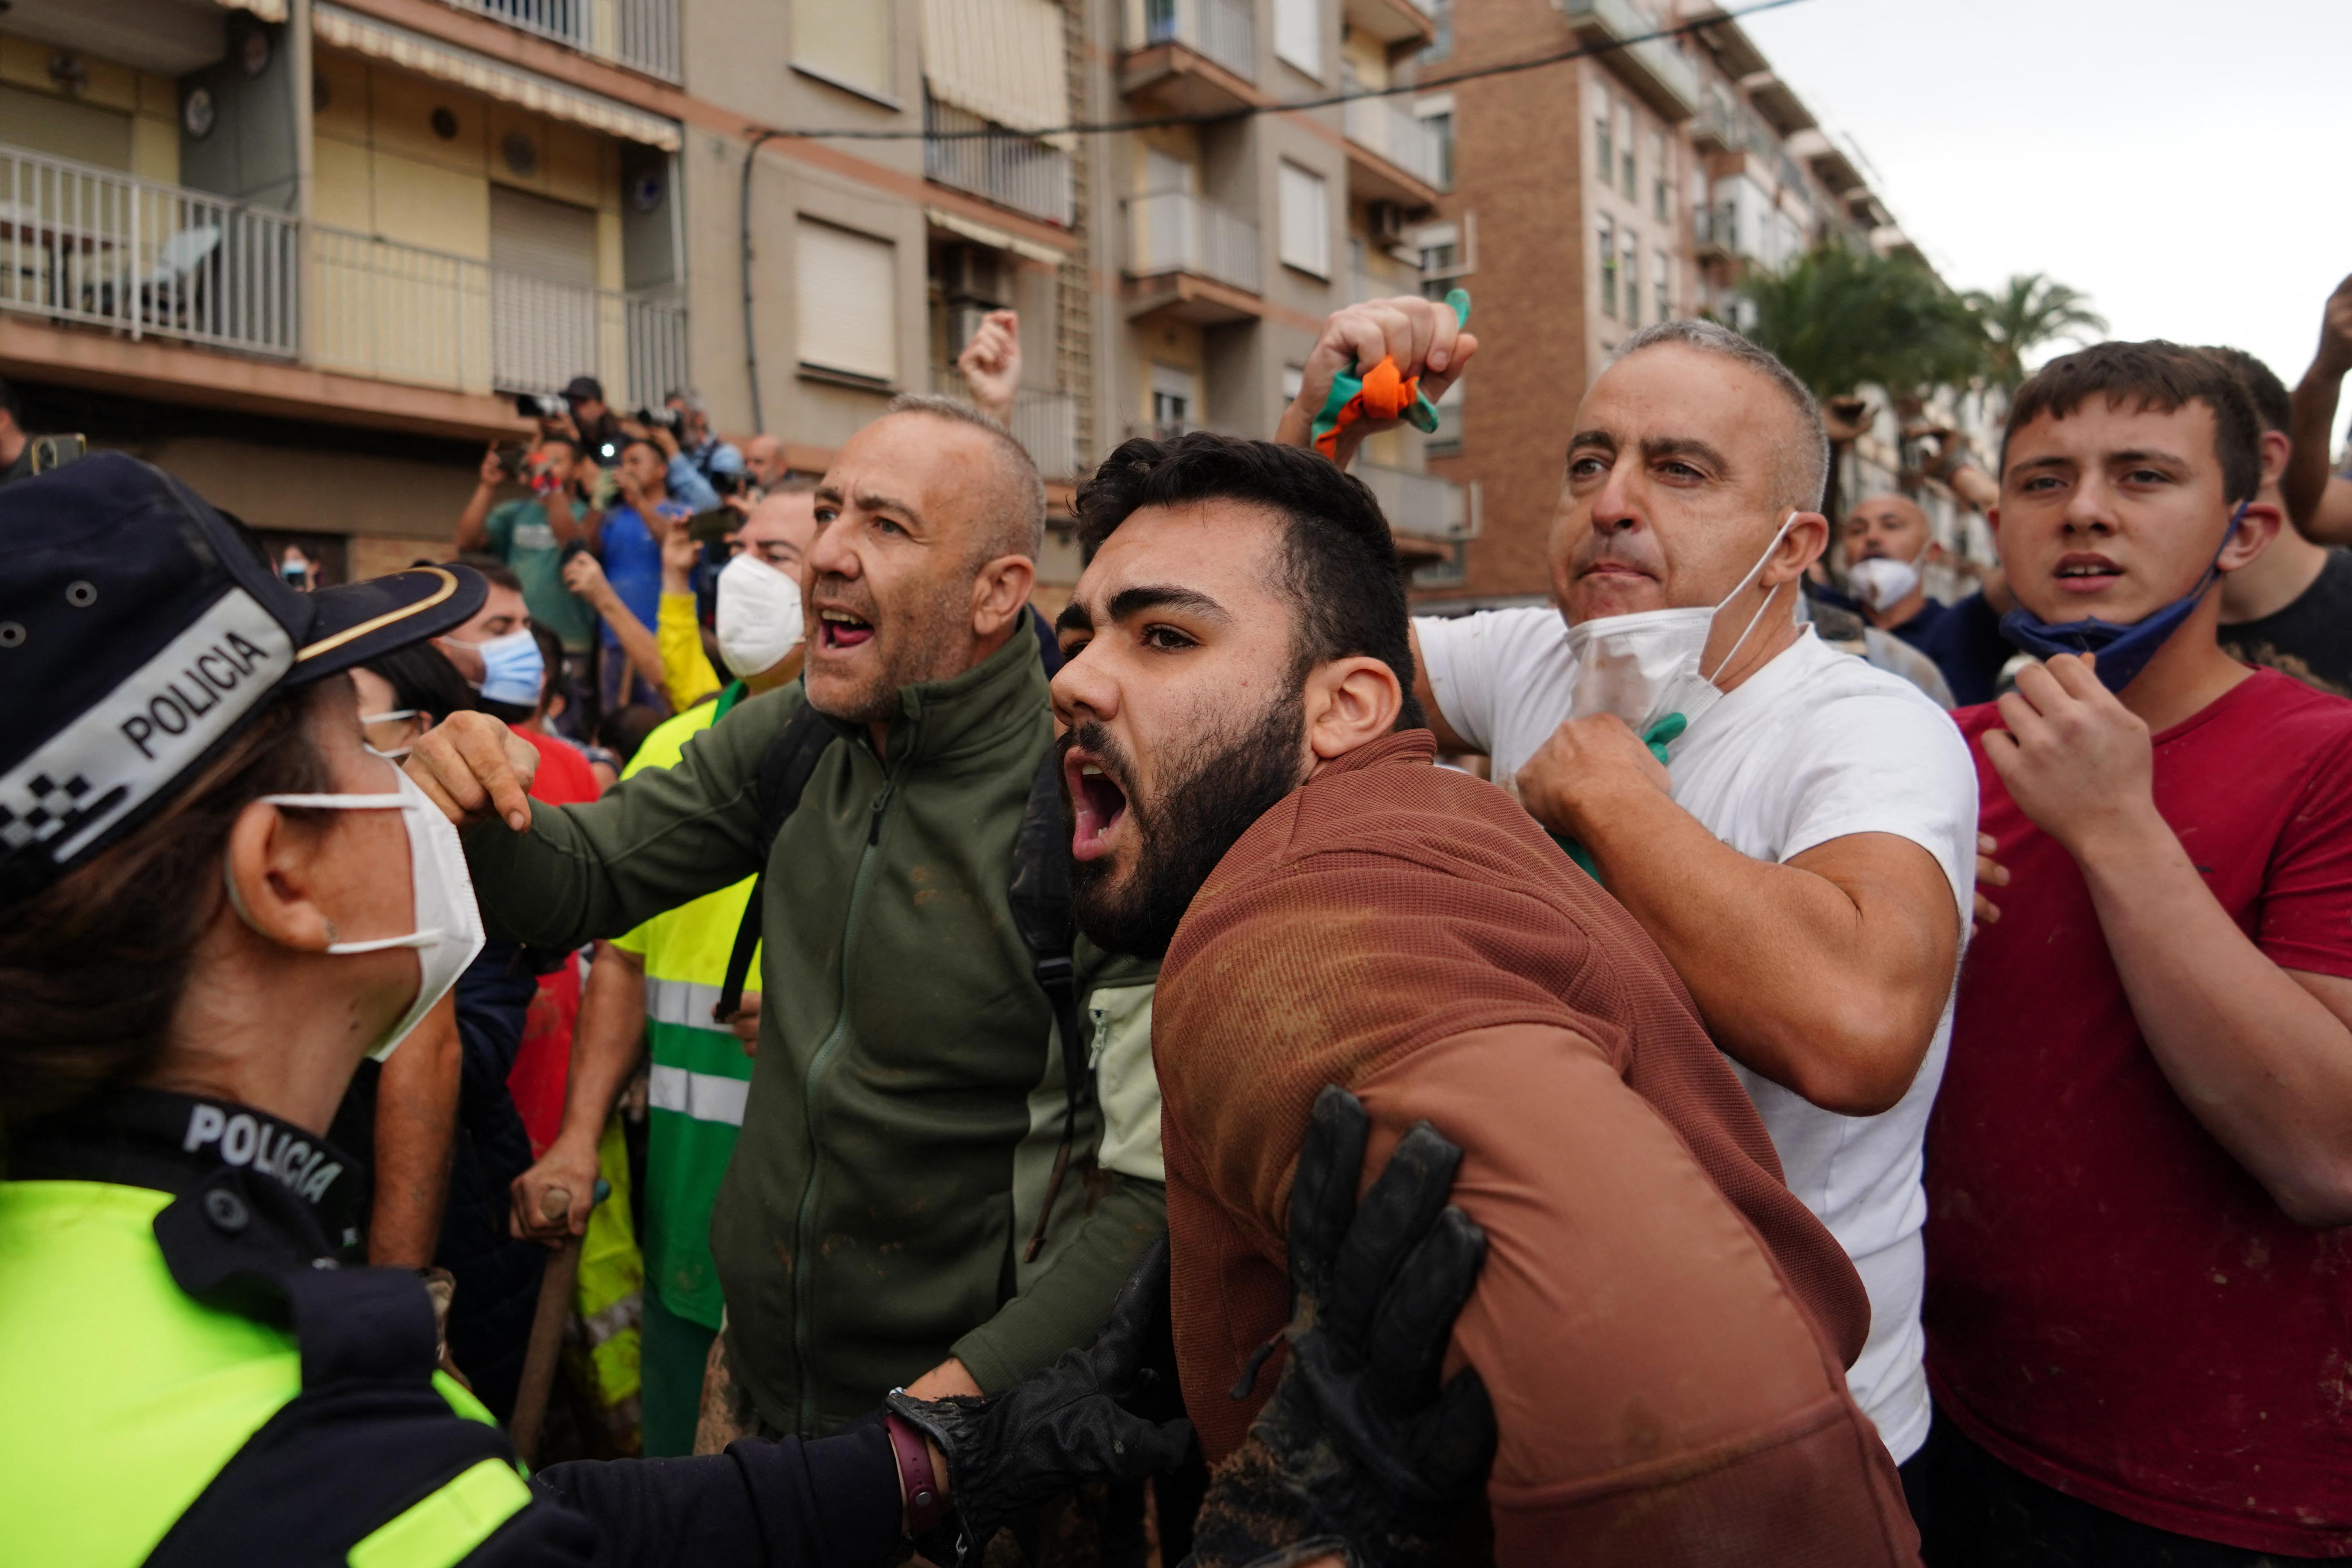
849	292
1305	219
1000	59
551	240
1298	34
846	41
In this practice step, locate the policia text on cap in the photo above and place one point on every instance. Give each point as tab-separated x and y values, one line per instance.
214	902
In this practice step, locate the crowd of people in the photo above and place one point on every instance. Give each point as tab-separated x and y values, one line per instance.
1833	1076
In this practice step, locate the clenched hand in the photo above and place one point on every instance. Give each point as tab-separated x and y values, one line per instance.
474	768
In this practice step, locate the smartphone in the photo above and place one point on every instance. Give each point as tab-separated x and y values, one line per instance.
510	459
712	527
57	451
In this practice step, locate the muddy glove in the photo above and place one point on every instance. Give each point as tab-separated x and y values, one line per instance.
1065	1425
1359	1454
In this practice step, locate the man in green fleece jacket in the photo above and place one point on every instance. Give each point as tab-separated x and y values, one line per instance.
907	1101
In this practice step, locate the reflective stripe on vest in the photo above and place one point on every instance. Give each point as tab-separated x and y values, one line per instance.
703	1096
447	1525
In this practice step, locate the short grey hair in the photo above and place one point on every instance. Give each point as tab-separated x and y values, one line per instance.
1803	474
1019	528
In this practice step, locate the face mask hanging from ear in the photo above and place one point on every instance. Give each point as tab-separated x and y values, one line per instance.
448	928
2124	647
1644	667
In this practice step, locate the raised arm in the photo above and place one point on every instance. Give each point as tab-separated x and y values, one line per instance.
1826	974
2319	500
2260	1054
1422	336
474	522
557	876
584	575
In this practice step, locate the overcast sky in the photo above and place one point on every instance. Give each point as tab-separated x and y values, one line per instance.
2183	161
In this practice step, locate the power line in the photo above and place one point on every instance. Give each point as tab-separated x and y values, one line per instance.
1246	112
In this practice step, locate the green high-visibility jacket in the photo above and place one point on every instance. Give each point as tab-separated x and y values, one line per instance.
907	1103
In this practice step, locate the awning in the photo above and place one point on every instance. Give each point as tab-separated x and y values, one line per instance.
1002	60
414	51
267	10
956	223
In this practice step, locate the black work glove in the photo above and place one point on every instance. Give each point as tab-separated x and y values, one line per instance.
1359	1453
1068	1424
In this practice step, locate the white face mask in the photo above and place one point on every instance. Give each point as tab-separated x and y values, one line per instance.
447	932
758	615
1882	580
1644	666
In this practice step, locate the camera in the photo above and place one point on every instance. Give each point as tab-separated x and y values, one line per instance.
666	418
57	451
540	405
724	485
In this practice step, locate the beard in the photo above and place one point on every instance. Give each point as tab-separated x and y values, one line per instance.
1219	785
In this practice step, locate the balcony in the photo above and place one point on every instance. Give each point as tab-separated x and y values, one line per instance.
1191	258
401	313
1421	505
1194	57
1652	67
1393	156
96	246
1392	21
639	34
1006	167
1046	423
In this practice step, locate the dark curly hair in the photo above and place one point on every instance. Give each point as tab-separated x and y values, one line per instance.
2152	375
1340	565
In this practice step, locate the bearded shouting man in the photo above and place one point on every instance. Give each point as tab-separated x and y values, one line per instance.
1661	1327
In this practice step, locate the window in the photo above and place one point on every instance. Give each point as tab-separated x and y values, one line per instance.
849	292
1298	34
1665	285
1445	441
1607	268
1294	379
1601	139
1440	42
846	45
1632	264
1172	400
1662	181
1626	175
1437	115
1304	212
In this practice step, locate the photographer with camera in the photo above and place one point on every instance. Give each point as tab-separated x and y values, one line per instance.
532	535
719	462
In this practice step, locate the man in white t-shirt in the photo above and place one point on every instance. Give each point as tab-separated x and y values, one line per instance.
1805	856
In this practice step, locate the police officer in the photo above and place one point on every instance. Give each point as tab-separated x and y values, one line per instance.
214	901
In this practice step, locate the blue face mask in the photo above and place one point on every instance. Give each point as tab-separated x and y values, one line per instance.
2124	648
511	668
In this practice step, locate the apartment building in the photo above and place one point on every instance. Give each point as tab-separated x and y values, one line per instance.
1634	186
304	252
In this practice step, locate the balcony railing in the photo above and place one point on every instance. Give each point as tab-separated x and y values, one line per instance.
1660	70
1381	126
403	313
639	34
1003	166
1419	504
1224	30
1175	231
82	244
1046	423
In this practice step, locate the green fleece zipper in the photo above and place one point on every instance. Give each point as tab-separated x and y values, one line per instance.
817	1063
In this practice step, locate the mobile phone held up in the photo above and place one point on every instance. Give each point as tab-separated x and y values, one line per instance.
57	451
712	527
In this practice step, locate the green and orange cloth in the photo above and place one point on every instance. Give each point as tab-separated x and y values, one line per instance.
1381	393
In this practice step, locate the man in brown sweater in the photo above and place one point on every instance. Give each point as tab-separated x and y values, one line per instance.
1661	1327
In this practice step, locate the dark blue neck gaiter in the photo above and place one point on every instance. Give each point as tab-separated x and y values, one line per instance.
2124	647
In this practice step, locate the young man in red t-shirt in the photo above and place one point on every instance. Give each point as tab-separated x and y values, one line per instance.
2139	1319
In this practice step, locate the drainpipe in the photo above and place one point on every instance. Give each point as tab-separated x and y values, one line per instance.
299	69
750	339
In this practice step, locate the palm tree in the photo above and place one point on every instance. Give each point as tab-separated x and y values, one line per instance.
2030	310
1843	319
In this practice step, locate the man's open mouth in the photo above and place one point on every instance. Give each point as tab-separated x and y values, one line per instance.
1098	805
839	630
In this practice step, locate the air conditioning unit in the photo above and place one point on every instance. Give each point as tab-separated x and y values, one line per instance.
1388	221
973	275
